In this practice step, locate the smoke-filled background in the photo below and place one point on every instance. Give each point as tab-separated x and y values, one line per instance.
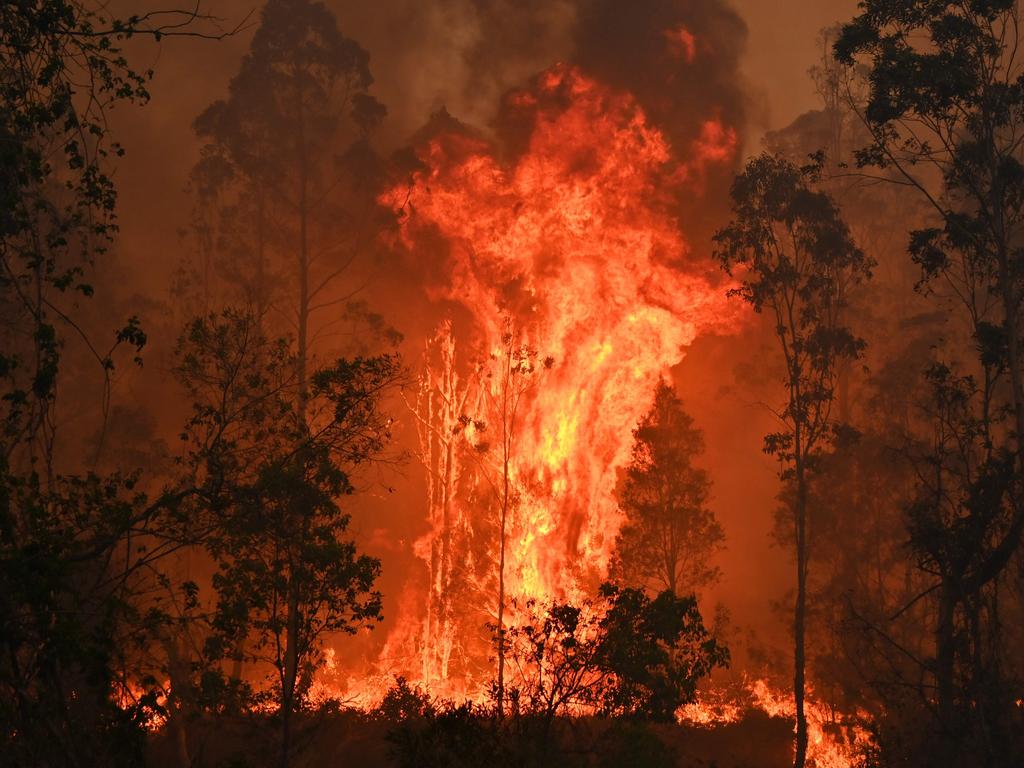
472	353
463	57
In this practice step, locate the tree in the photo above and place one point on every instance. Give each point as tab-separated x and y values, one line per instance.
288	166
71	550
507	382
669	534
287	575
944	111
946	96
793	257
624	655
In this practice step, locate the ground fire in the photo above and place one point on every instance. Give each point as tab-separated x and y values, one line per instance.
573	383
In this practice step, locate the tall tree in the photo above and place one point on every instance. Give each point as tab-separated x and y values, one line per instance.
669	535
947	97
507	381
289	159
793	257
69	543
945	112
286	572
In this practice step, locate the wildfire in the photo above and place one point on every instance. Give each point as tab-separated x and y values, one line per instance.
569	249
831	743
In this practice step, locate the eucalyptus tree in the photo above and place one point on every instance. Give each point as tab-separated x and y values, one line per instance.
288	169
794	260
69	541
945	114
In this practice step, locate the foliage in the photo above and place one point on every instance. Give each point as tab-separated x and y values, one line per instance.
74	546
627	655
456	736
278	460
286	574
944	111
794	258
624	657
669	534
402	702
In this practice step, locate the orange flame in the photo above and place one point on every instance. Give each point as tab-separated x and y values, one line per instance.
574	242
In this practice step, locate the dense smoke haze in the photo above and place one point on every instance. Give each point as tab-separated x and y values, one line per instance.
463	57
481	382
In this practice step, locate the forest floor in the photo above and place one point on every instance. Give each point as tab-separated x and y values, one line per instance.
352	738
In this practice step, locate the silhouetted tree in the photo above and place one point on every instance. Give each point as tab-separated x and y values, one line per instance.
286	573
626	654
669	534
945	109
72	546
946	95
288	168
793	257
506	382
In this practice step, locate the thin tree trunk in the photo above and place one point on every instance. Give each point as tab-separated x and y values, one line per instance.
303	314
303	309
261	279
506	438
799	618
945	660
291	666
501	592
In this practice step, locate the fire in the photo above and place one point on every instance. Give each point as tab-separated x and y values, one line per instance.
682	43
569	249
831	743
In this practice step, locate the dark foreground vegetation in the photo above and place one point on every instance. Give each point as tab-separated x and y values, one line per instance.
881	240
467	737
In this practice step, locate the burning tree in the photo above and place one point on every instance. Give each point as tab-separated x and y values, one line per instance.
508	380
575	242
456	417
669	534
795	259
448	409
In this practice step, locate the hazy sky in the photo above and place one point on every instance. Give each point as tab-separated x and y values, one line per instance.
420	57
782	47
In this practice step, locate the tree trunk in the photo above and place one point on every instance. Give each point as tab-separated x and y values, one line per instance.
506	444
945	658
501	595
179	705
799	618
291	667
261	278
302	317
303	313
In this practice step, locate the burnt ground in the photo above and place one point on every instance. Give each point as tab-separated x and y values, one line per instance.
351	738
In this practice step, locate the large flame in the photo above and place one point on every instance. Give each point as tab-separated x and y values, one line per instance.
572	250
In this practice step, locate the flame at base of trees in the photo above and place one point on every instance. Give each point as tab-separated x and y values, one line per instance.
834	741
573	294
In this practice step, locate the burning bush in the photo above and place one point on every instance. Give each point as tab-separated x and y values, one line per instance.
622	655
625	654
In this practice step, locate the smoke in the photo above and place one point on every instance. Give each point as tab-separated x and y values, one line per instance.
448	66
